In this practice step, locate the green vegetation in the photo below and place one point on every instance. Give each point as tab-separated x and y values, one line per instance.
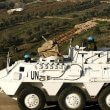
22	31
101	34
28	1
2	0
5	4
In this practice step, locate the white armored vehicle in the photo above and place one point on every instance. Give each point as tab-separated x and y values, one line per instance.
71	81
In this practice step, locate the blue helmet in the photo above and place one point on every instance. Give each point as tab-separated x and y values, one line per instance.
26	55
90	39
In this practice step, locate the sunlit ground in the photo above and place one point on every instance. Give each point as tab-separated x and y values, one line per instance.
7	103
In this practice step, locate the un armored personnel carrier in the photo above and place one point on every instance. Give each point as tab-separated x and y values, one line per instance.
71	80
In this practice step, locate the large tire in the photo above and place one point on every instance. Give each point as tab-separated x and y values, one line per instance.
72	99
104	99
31	99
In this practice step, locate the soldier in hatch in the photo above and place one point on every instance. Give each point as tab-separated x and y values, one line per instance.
90	44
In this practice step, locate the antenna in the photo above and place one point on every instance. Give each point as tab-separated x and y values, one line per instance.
71	40
44	38
8	60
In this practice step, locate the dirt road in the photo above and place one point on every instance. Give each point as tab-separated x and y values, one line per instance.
7	103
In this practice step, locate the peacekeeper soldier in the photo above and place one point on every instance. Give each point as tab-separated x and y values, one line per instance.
90	44
27	57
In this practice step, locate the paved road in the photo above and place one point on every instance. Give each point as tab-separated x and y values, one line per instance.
7	103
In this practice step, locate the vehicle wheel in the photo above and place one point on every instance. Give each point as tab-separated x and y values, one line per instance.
104	99
71	99
31	99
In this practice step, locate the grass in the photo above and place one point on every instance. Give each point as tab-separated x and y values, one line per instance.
20	29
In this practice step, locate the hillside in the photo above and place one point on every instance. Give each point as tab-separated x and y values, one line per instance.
21	32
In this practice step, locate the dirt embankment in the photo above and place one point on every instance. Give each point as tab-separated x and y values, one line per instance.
78	29
105	1
7	103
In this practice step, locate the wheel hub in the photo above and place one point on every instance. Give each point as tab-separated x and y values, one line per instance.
108	100
31	101
73	101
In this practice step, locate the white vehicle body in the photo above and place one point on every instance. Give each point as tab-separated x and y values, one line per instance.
11	11
87	70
